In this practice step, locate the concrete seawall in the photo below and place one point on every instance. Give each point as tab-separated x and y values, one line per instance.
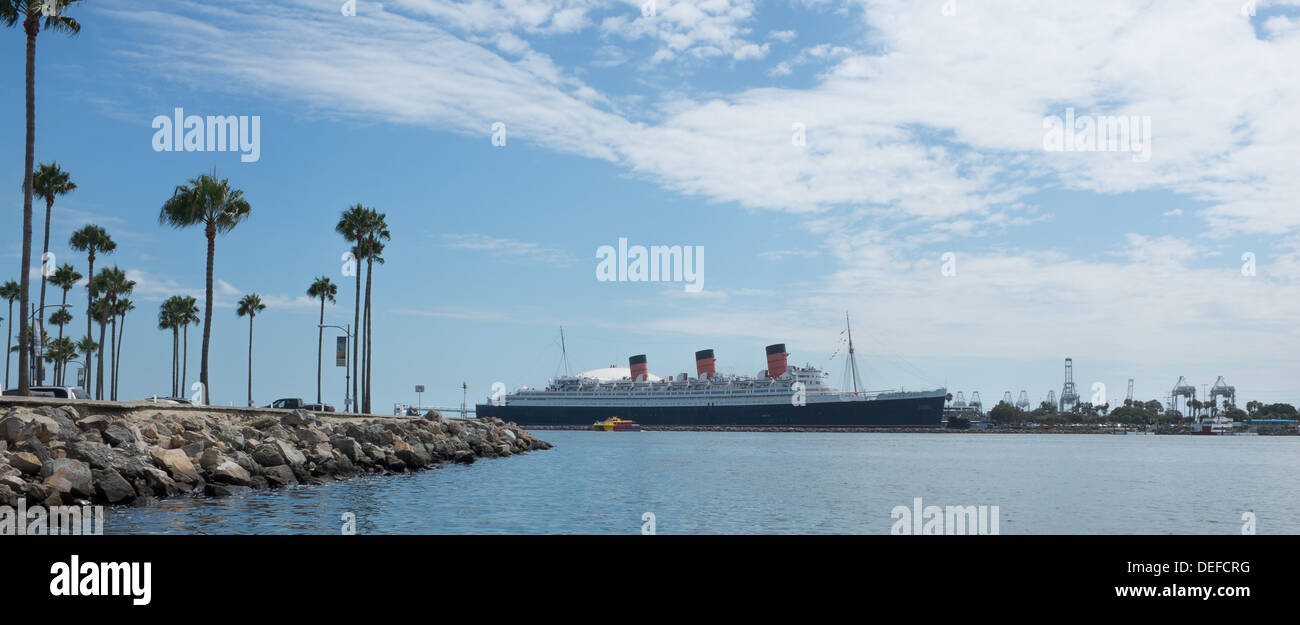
60	452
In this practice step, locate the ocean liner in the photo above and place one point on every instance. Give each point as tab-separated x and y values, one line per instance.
780	396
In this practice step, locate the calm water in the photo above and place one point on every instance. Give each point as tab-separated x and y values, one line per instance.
705	482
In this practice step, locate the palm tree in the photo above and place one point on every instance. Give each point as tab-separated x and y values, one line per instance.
65	277
101	310
324	290
188	310
122	307
49	182
169	318
250	305
30	12
61	317
212	203
371	249
10	291
87	346
112	282
92	240
352	225
61	350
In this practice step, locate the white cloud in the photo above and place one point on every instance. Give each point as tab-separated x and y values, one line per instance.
510	249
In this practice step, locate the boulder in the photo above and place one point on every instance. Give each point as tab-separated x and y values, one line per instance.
158	483
415	457
210	458
176	463
268	455
94	422
111	487
26	462
279	475
69	476
291	454
117	435
348	446
230	473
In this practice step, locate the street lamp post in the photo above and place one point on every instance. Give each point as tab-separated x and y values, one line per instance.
37	345
347	364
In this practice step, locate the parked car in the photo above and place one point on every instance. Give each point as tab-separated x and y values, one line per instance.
295	403
57	392
168	400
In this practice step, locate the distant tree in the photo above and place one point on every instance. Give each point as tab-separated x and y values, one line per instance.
249	306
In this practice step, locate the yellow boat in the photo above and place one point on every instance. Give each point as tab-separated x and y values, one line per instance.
615	424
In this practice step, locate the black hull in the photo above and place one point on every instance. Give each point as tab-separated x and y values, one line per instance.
900	412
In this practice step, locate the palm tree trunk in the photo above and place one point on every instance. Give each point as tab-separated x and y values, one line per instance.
58	372
90	300
356	333
176	365
112	365
211	231
117	357
365	342
32	25
250	361
9	345
184	365
99	366
370	273
40	311
320	337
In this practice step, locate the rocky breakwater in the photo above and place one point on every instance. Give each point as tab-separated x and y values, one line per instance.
66	455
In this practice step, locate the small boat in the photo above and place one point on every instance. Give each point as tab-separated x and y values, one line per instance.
615	424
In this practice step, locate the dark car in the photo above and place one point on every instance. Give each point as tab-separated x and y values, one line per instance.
295	403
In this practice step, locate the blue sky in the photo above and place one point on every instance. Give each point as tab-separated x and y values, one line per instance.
924	136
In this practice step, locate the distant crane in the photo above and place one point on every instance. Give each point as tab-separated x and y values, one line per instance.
1051	398
1185	390
959	401
1023	402
1069	395
975	401
1006	398
1222	389
1129	398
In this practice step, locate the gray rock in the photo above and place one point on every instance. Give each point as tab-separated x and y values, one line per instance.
268	456
112	487
26	462
279	475
348	446
230	473
94	422
69	476
291	454
177	463
117	435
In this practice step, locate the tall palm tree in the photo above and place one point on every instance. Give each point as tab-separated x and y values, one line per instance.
323	290
49	182
123	306
10	291
212	203
169	318
65	277
101	310
60	318
29	13
352	225
249	306
92	240
372	248
112	282
188	314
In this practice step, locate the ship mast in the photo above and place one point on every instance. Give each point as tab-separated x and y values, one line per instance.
564	353
853	361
